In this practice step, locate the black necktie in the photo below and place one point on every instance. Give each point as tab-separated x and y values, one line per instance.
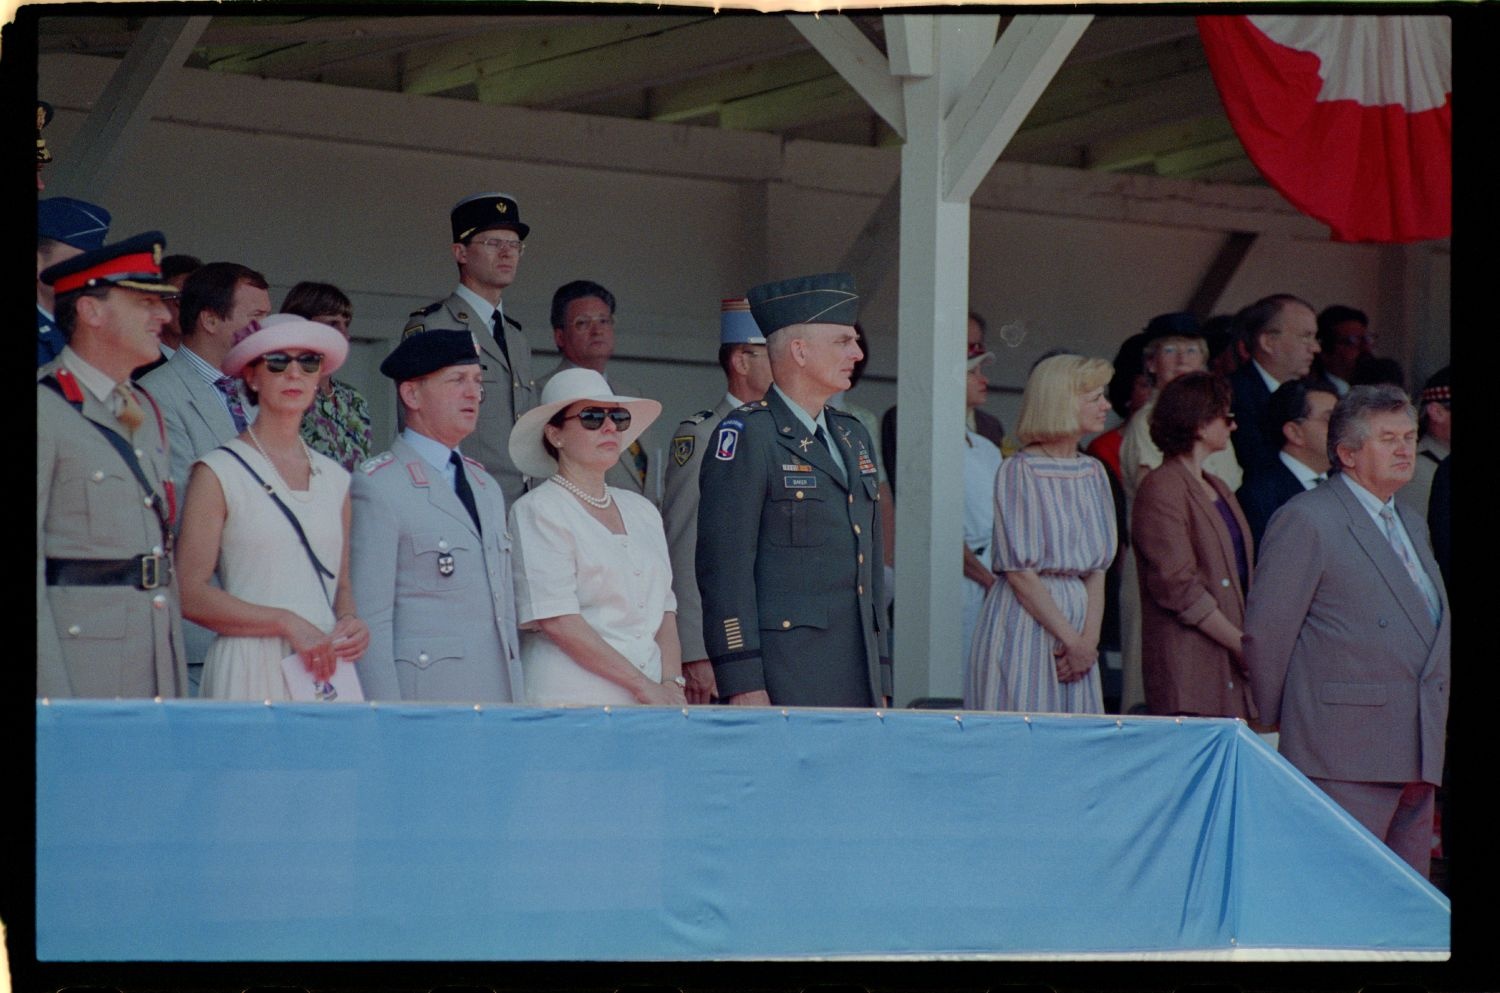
499	332
461	487
828	447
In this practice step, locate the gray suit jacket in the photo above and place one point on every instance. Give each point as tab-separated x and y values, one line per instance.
1340	647
679	511
432	636
100	641
509	390
622	473
197	423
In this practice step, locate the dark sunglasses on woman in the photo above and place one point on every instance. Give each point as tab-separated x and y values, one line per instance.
592	418
310	362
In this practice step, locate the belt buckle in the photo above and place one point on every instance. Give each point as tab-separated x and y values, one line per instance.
151	571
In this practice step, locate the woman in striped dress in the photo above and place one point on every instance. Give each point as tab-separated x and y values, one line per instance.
1036	642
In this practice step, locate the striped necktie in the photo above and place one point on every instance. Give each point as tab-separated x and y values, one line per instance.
1413	567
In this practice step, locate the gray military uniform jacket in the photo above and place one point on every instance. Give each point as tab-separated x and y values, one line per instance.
438	596
100	641
789	560
509	390
622	474
679	511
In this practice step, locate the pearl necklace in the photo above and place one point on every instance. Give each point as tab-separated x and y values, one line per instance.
312	470
599	503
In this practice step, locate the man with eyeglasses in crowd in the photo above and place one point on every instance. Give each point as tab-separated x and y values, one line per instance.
489	239
583	328
1344	337
429	552
1280	332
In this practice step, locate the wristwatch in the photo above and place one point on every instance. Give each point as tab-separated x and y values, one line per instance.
681	681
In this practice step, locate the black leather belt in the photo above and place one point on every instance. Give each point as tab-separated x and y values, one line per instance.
144	572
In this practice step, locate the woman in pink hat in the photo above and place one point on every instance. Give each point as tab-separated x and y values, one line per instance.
593	578
272	517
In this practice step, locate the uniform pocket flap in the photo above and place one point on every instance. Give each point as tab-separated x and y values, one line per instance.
777	614
422	653
1354	694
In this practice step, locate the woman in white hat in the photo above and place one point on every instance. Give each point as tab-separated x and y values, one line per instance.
593	578
272	516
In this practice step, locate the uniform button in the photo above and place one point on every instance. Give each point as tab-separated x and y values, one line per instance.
786	624
786	430
861	558
421	656
139	454
1231	684
860	590
799	494
74	630
1223	582
159	602
851	497
856	529
764	403
98	476
146	501
1383	622
442	544
155	549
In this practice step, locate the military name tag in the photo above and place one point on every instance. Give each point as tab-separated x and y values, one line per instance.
800	482
445	564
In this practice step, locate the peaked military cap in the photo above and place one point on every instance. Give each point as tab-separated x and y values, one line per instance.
484	211
134	264
828	298
78	223
428	351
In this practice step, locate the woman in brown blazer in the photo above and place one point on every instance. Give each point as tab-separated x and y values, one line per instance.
1194	552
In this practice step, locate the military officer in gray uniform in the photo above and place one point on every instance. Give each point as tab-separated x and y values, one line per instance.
789	544
747	370
430	556
108	622
488	241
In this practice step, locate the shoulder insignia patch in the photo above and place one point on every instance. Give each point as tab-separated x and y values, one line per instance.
682	448
728	442
371	465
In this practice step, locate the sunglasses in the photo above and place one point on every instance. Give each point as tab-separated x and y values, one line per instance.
592	418
277	362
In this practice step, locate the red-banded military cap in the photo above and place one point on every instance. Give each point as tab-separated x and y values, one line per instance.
133	264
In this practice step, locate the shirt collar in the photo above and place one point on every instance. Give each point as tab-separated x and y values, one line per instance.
209	374
482	308
433	452
808	421
1306	476
1271	383
91	377
1367	500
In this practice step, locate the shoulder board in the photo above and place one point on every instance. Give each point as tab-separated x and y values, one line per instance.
753	406
369	466
423	312
698	418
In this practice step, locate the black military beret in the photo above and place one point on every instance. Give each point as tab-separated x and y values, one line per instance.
422	352
828	298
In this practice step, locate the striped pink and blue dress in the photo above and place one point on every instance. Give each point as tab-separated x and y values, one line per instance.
1055	517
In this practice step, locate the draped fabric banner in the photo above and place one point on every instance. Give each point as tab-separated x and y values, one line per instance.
1349	117
201	831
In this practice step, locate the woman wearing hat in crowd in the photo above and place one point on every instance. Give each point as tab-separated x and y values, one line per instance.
1036	643
1194	551
338	423
593	578
285	586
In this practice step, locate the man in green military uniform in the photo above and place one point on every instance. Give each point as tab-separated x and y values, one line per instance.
108	622
789	544
488	241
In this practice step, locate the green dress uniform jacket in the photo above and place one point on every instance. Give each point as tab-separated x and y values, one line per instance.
679	511
789	560
107	640
509	390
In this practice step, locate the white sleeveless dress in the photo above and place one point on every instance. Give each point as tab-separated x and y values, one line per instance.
261	561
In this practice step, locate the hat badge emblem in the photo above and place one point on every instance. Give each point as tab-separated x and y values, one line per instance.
156	253
501	206
41	118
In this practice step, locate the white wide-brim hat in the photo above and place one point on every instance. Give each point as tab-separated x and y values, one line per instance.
277	333
566	388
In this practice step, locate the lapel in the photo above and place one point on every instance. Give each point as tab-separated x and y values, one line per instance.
847	444
203	399
792	435
440	495
1378	547
459	309
1205	506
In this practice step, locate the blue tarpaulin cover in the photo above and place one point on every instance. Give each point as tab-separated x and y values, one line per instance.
203	831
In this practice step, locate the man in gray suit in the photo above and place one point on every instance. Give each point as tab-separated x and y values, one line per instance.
747	370
789	559
204	408
489	239
429	554
1347	632
583	328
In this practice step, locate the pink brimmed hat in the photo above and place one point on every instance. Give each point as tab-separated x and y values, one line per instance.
279	332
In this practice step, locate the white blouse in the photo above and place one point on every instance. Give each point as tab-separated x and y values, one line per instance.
567	562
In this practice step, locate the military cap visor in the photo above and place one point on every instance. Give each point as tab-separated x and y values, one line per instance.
827	298
132	264
423	352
